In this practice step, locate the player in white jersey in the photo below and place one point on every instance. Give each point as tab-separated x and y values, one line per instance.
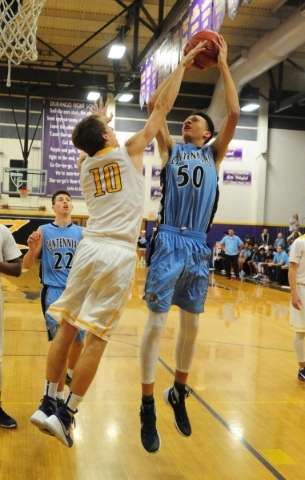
102	274
10	264
296	276
179	268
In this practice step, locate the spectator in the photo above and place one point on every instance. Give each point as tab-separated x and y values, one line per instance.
274	268
279	241
264	237
232	245
294	222
295	234
219	260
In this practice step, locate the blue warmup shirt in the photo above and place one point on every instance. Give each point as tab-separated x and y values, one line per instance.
189	188
232	244
58	250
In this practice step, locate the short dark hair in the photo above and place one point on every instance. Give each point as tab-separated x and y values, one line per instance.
59	192
87	134
211	126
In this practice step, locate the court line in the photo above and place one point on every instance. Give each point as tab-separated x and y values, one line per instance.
252	450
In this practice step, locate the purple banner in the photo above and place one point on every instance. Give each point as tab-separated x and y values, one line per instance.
59	154
219	10
234	177
234	154
155	193
150	149
206	14
155	173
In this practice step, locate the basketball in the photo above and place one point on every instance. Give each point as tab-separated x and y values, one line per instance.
207	58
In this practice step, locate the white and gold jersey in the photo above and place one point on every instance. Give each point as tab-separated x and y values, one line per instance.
114	192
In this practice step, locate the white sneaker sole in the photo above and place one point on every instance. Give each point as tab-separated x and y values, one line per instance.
38	419
55	427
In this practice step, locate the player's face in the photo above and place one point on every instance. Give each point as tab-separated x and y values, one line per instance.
195	130
111	137
63	204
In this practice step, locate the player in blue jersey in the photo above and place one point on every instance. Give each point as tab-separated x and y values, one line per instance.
179	269
57	243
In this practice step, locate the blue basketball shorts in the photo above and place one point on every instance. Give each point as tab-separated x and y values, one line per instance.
49	295
179	271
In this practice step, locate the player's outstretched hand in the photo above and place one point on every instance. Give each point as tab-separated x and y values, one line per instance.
98	108
223	51
188	60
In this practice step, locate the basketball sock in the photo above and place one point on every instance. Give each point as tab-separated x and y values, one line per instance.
179	389
73	401
50	389
147	399
60	395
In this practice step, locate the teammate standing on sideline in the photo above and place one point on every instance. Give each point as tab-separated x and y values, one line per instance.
10	264
101	278
179	269
57	242
296	277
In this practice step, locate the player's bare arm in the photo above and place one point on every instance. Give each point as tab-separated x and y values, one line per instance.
227	129
35	245
11	267
292	277
162	106
163	137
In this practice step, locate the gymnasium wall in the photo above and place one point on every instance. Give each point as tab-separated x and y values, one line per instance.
272	153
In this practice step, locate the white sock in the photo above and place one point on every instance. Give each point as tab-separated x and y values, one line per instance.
60	395
73	401
50	389
70	372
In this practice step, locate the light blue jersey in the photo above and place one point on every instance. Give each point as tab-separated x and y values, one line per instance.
189	188
58	250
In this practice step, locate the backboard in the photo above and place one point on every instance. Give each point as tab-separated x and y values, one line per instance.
34	181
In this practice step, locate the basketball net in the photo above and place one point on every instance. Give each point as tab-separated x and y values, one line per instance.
18	29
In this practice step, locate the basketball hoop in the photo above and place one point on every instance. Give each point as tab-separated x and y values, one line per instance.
18	29
23	192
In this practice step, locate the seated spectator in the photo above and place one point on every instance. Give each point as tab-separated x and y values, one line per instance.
265	246
258	260
279	241
264	237
295	234
274	268
219	261
244	254
247	267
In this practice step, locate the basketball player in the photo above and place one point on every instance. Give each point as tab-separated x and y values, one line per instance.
57	242
296	277
179	268
10	264
102	274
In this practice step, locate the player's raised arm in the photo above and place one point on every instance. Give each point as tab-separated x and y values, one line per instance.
162	105
227	129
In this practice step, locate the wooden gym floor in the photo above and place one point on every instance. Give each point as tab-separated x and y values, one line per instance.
247	409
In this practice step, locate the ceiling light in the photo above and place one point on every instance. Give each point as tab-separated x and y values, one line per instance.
125	97
250	107
117	51
93	96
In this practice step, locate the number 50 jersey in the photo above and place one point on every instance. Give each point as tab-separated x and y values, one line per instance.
189	184
58	250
